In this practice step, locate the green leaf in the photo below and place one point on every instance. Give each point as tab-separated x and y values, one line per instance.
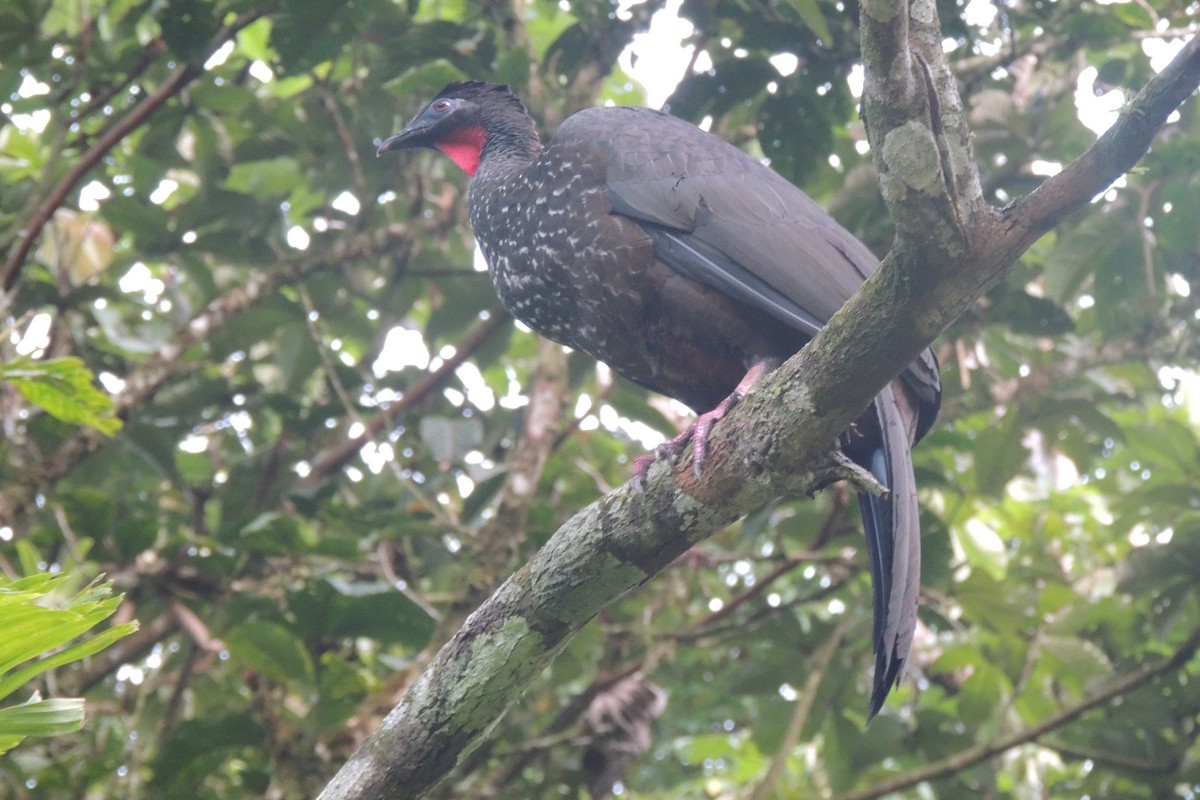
148	223
63	388
31	626
187	27
342	688
74	653
335	609
983	548
27	630
810	12
195	748
1078	661
265	179
1133	15
272	650
42	717
999	454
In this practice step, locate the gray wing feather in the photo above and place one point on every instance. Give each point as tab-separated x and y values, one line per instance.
709	194
725	220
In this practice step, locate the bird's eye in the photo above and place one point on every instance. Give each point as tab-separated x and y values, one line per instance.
441	105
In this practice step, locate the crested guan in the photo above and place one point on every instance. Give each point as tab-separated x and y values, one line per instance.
691	269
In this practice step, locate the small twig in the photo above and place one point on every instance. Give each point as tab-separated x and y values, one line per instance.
857	476
447	272
436	510
1121	761
1145	195
800	714
341	455
127	650
183	684
347	140
196	628
982	752
148	56
568	714
1169	33
29	232
532	746
830	525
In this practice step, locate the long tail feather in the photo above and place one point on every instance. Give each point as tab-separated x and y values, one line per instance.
893	542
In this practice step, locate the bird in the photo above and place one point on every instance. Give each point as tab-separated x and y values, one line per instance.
692	269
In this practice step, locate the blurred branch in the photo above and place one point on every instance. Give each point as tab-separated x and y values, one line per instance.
339	456
131	649
557	729
1167	33
1161	767
982	752
1113	154
975	68
494	548
28	233
833	521
435	510
330	101
804	703
153	50
446	272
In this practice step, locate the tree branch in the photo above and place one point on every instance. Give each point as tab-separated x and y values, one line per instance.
493	553
1113	154
144	380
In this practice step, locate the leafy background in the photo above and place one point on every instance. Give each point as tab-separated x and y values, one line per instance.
315	443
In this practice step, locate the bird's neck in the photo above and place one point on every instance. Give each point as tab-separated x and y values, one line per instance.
510	146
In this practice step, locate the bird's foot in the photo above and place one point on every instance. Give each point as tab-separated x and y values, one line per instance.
667	451
704	425
697	432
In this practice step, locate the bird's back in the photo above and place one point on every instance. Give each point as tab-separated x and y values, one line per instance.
664	170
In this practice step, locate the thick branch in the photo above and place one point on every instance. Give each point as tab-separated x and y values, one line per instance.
1113	154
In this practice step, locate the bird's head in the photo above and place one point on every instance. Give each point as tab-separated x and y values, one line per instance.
462	120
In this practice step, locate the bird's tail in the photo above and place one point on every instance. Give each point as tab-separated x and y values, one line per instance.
893	540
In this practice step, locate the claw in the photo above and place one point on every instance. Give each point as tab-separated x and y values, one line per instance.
667	451
697	432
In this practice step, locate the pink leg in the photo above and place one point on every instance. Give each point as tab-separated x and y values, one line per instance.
698	431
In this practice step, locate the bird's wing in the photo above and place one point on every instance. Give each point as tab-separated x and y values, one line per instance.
724	219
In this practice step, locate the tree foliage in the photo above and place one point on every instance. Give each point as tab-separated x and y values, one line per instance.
332	445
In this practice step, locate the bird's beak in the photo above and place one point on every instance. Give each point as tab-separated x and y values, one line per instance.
413	135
